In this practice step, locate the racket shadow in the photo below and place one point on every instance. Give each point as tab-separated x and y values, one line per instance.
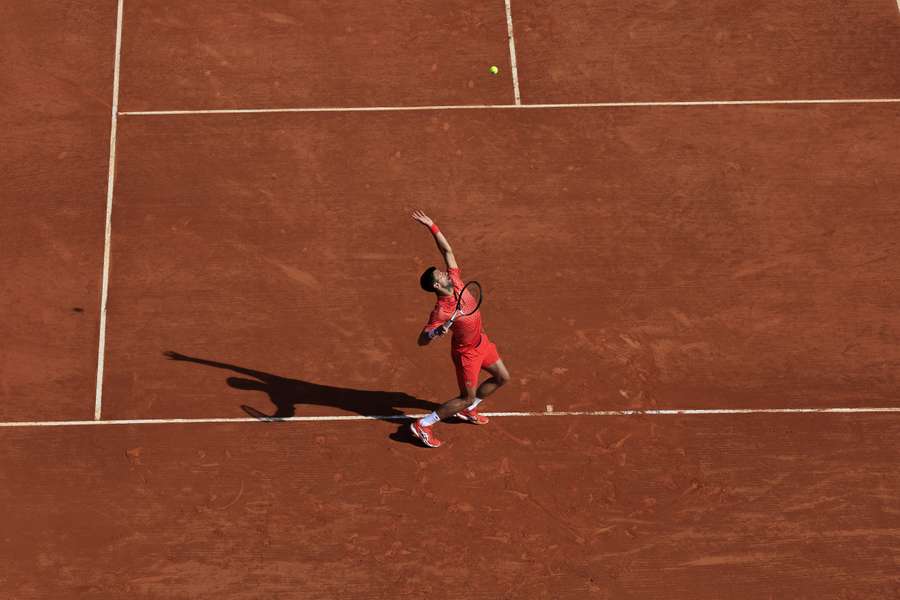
285	394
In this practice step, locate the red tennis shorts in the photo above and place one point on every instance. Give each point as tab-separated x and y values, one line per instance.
469	362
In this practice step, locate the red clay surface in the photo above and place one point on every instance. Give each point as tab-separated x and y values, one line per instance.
705	257
213	54
55	95
662	50
631	258
653	508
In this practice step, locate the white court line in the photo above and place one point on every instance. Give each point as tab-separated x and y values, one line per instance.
594	413
104	290
228	111
512	53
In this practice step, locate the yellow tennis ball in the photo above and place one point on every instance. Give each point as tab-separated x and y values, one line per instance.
494	69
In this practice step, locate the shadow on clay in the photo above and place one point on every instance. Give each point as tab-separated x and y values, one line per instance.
285	394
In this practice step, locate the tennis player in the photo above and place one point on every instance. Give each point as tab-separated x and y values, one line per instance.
470	348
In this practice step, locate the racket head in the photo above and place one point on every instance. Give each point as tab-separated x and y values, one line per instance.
469	299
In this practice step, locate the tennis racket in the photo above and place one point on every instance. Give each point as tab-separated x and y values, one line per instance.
467	302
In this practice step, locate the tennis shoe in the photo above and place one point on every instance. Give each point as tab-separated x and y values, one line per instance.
471	416
425	434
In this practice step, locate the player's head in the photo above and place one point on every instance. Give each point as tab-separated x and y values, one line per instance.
435	280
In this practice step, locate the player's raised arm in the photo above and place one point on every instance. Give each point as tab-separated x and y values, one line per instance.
442	243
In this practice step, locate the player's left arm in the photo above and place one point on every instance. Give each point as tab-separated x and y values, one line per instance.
450	259
441	241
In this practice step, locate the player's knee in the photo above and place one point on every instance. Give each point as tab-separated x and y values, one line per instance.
502	377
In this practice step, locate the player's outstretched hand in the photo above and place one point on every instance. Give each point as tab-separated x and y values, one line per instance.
422	218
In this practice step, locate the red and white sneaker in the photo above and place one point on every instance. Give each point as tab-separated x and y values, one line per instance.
425	434
472	416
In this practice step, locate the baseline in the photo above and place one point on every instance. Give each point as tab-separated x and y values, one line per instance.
593	413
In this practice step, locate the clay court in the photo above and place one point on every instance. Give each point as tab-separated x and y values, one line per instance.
685	219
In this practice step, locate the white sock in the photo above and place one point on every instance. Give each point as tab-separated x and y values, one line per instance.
429	420
474	404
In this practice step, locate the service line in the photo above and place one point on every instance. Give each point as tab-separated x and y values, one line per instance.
337	109
593	413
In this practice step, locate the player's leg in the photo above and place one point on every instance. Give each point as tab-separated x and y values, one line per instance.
490	362
467	376
454	405
499	377
467	368
422	427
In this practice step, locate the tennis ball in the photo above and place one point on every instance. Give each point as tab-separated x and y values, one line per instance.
494	69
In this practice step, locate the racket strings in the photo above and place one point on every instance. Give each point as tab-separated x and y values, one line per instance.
470	299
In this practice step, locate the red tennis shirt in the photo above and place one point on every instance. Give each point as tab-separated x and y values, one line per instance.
466	330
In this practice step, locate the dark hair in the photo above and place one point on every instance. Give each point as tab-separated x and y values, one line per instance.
427	279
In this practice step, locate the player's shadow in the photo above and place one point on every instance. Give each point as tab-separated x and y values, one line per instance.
285	394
